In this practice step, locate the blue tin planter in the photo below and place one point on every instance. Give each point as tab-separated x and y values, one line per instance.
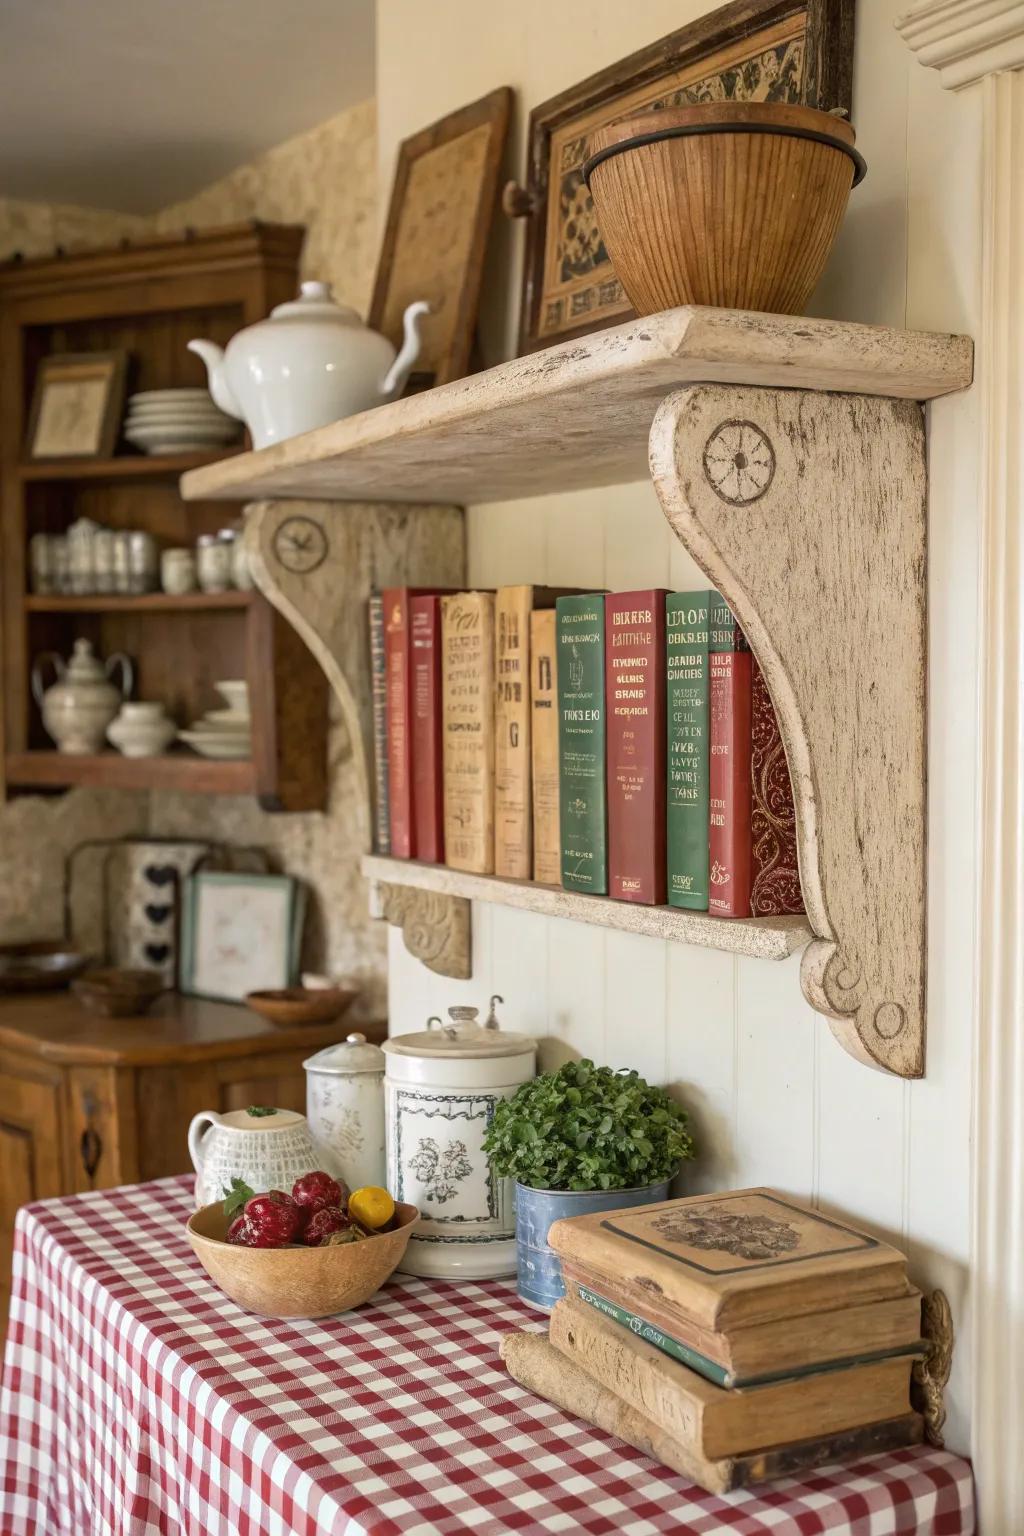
538	1268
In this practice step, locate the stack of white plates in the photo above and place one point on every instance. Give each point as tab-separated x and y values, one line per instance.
224	733
177	421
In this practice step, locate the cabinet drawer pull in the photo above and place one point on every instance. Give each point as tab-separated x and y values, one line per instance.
92	1150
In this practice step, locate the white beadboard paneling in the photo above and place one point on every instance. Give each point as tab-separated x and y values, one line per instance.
635	994
507	543
866	1110
415	993
637	538
519	969
684	574
701	1058
576	993
776	1107
575	540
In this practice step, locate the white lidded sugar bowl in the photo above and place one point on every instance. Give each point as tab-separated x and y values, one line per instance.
441	1089
265	1148
345	1106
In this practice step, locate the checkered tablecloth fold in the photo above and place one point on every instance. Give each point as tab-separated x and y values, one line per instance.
136	1398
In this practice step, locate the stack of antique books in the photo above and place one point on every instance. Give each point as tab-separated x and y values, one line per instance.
735	1337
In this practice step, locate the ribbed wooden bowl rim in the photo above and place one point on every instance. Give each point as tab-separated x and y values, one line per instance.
724	117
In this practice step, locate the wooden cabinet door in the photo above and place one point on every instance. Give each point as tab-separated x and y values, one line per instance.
30	1156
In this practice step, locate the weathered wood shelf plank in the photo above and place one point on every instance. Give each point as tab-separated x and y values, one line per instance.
765	938
578	415
109	770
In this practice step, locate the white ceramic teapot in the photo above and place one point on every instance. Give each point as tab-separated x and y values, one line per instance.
266	1148
79	706
311	363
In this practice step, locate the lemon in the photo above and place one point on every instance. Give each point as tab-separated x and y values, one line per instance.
372	1207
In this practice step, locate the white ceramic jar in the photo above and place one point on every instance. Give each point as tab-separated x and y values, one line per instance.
213	563
141	730
345	1107
266	1148
441	1089
178	571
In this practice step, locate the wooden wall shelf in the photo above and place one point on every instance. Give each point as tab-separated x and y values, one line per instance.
158	466
818	546
578	415
764	938
147	302
147	602
109	770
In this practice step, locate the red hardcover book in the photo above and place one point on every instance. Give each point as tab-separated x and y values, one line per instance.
427	768
635	684
397	661
776	875
729	788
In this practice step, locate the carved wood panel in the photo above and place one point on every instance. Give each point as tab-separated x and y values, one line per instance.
807	512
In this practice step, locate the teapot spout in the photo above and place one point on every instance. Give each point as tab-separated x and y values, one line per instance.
400	369
213	357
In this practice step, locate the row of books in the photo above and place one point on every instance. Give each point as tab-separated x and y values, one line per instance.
611	743
737	1337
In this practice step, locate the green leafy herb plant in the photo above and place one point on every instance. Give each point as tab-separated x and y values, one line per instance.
588	1128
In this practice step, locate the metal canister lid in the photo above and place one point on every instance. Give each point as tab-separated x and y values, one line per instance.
463	1038
354	1054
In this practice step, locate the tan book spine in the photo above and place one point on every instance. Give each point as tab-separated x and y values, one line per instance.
779	1346
513	853
547	848
467	639
716	1421
732	1280
535	1364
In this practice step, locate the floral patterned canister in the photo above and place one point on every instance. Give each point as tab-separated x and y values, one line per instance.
345	1106
441	1087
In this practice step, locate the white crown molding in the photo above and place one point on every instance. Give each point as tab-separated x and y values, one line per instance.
965	39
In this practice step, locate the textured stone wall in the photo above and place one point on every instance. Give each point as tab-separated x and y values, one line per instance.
326	180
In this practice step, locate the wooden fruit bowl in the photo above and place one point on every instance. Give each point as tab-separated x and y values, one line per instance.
298	1282
735	204
287	1006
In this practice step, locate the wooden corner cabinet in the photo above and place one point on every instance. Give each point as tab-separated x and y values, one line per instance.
147	300
89	1104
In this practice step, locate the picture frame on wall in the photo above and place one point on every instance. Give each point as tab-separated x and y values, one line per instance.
77	405
241	933
797	51
439	220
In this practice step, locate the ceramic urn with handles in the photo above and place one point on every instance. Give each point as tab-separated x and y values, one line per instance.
345	1105
265	1148
441	1088
79	706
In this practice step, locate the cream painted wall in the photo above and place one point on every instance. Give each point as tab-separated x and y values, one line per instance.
775	1098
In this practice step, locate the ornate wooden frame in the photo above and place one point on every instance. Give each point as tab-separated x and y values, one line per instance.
827	83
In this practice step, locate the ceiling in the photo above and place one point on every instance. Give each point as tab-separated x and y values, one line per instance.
135	104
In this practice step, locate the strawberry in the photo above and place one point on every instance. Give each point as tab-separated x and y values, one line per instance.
238	1232
317	1191
322	1224
273	1219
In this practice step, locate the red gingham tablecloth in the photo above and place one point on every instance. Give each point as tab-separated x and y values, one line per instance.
138	1400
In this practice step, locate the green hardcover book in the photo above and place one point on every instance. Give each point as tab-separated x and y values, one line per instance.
583	813
686	621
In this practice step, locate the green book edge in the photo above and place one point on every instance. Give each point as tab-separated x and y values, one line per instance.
687	825
710	1369
594	827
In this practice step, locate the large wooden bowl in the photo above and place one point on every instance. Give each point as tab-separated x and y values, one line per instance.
298	1282
735	204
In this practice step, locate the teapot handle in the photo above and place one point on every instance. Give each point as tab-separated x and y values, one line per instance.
195	1134
119	659
37	673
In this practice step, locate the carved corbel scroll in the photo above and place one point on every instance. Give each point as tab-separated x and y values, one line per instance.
807	512
436	929
931	1374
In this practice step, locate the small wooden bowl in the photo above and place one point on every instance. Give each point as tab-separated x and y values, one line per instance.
298	1282
301	1005
41	965
735	204
118	994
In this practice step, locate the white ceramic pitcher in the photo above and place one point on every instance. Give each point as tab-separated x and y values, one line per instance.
266	1148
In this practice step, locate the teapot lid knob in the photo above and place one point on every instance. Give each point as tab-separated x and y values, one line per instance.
320	293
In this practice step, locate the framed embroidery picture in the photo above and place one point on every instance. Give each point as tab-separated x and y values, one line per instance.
241	933
77	405
751	50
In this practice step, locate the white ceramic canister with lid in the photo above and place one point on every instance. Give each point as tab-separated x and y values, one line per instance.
441	1088
345	1107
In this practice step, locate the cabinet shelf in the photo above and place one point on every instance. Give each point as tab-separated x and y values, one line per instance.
577	415
126	466
765	938
109	770
148	602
